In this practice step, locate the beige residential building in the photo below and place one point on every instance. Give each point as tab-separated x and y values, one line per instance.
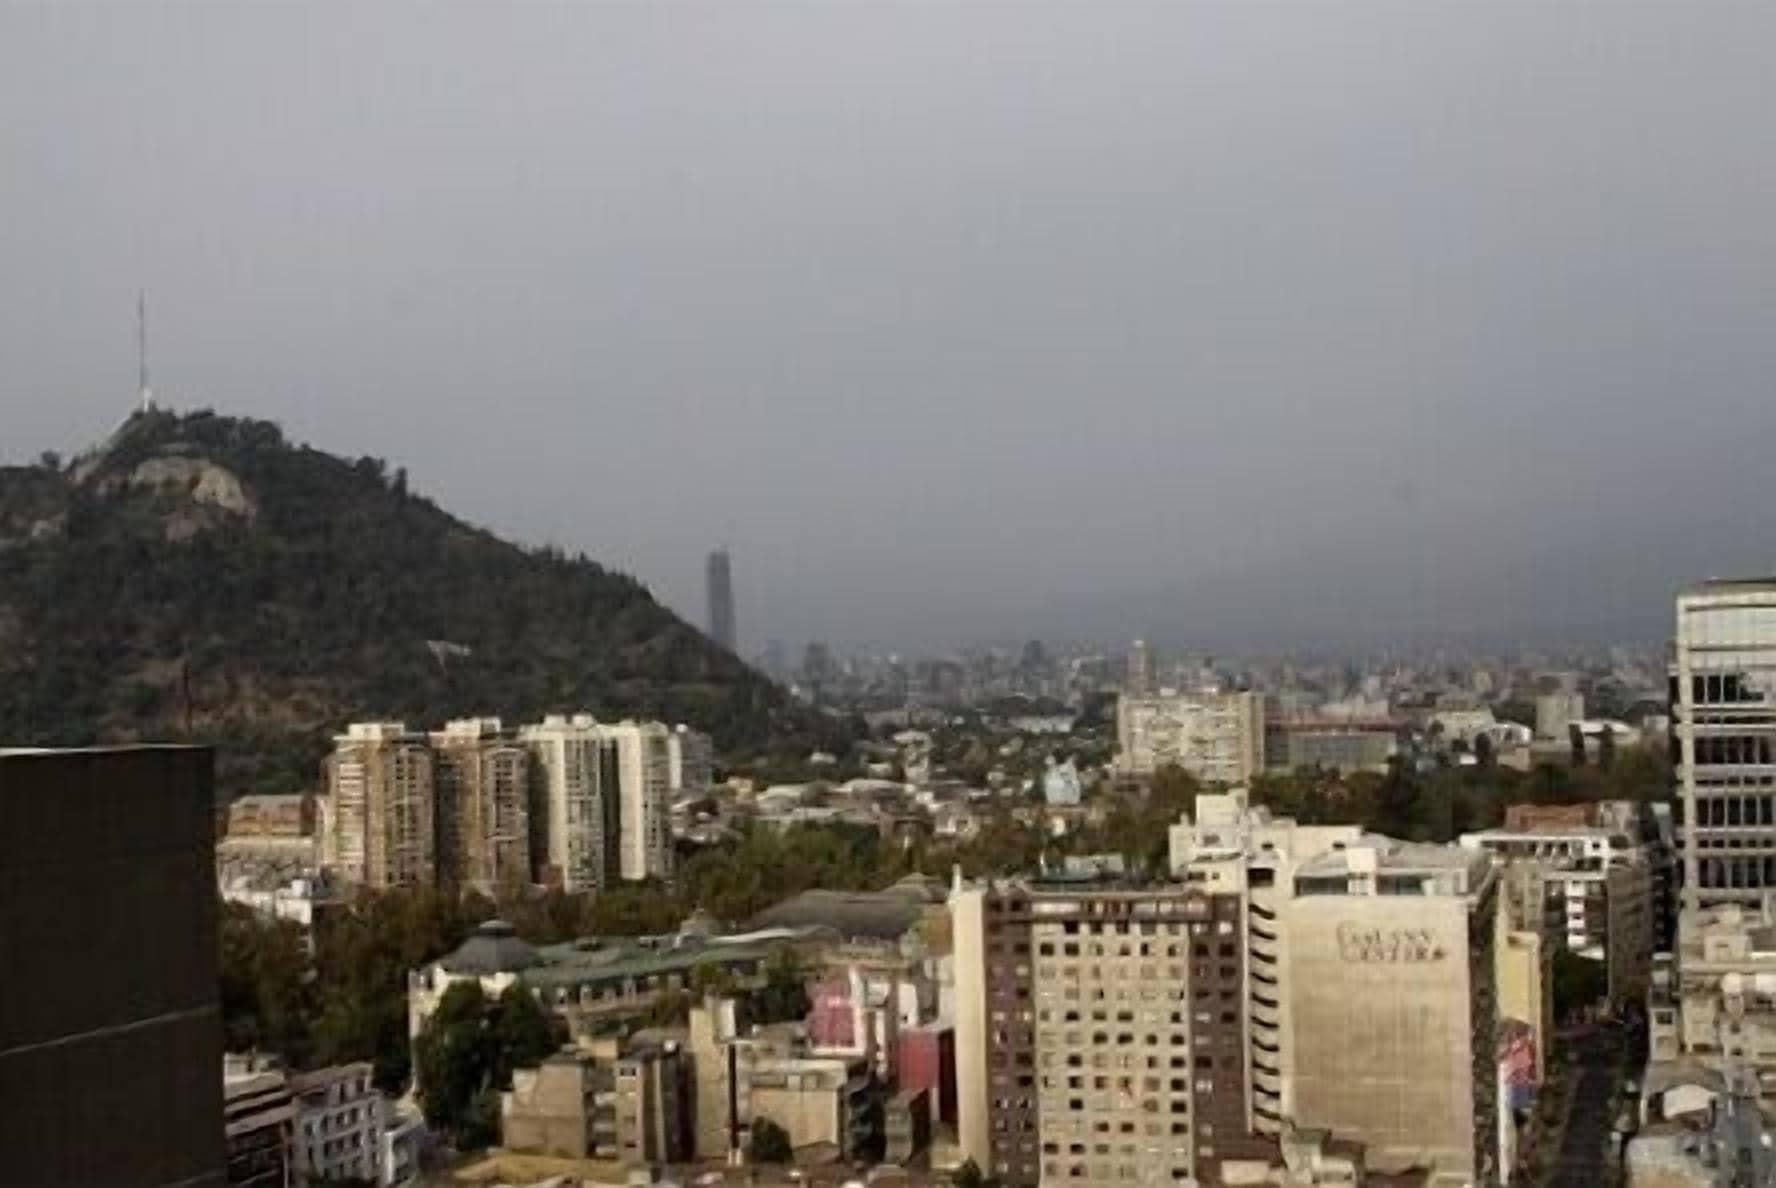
574	802
482	777
338	1127
1216	737
1589	889
628	1106
821	1102
379	825
1100	1032
1718	1010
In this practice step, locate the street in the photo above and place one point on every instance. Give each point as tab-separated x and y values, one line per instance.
1583	1158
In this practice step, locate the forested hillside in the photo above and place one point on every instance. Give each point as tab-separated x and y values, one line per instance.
199	576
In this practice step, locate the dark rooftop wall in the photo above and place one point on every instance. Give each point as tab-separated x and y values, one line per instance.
110	1026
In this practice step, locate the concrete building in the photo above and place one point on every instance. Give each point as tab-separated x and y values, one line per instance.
339	1125
259	1115
574	802
604	1101
825	1104
262	816
1590	888
482	781
690	759
1717	1009
110	1023
644	791
403	1146
1723	724
1232	848
1390	948
379	826
553	1109
1340	745
1100	1031
1216	737
1555	712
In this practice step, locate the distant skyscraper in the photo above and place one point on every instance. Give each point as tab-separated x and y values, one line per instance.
1140	670
1723	723
721	599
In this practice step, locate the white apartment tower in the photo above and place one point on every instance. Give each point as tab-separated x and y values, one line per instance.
1723	722
572	804
644	783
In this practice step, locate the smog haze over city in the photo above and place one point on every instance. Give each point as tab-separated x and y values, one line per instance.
1310	324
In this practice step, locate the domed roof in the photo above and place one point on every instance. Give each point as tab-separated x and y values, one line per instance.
494	948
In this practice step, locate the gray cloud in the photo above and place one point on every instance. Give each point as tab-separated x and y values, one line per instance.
1223	322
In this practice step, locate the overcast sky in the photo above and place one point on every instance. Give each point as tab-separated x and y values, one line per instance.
1327	322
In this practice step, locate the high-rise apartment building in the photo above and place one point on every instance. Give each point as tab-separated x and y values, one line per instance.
482	777
720	579
1723	724
574	802
380	817
644	792
110	1020
1216	737
1100	1032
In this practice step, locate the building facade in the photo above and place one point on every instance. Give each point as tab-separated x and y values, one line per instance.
1718	1010
482	779
644	791
258	1122
1590	889
1216	737
1390	947
573	802
110	1032
1100	1032
379	821
1723	724
339	1125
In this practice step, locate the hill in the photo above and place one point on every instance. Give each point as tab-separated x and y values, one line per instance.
199	576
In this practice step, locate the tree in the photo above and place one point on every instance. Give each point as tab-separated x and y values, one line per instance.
1483	750
969	1176
524	1035
1576	738
455	1057
1606	748
770	1143
784	996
